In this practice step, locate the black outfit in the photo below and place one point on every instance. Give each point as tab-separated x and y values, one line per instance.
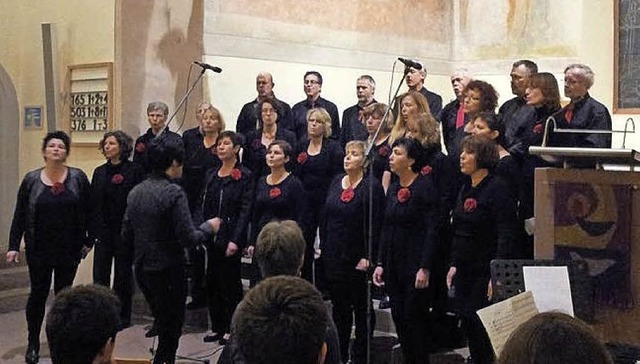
198	160
509	170
514	120
300	117
353	125
158	224
316	172
345	229
230	198
284	201
52	220
381	153
142	143
110	186
484	221
451	134
434	100
250	116
408	243
255	151
587	114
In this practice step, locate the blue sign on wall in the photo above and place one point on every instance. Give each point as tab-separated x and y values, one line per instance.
33	117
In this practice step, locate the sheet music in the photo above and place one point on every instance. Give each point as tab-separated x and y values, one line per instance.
502	318
550	287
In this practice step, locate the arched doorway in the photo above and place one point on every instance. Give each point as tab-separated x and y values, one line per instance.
9	153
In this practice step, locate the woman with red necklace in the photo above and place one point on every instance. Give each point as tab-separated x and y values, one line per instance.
408	249
110	186
51	212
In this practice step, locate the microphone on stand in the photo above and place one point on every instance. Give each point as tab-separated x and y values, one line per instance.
208	66
410	63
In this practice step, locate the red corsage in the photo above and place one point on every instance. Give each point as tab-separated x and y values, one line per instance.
256	144
57	188
347	195
404	194
275	192
236	174
383	151
140	147
470	205
117	179
302	157
426	170
538	129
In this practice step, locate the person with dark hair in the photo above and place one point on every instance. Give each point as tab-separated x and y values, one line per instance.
492	126
484	228
257	141
415	81
374	114
452	117
82	325
157	223
51	214
317	161
554	338
280	251
250	119
110	186
583	112
345	249
279	195
281	320
353	121
157	112
312	88
521	71
227	196
407	250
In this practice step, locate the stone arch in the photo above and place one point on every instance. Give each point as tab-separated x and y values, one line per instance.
9	153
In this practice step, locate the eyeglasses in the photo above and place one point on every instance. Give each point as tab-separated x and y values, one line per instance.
311	82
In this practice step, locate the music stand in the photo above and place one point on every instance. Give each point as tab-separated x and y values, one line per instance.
507	280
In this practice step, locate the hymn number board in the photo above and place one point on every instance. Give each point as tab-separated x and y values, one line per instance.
90	103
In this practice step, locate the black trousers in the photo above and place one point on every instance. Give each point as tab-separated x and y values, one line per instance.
224	288
106	254
40	275
349	300
164	290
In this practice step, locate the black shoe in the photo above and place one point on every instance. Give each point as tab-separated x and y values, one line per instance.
153	331
31	357
384	303
213	338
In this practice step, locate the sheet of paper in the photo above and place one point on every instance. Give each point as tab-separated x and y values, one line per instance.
502	318
550	287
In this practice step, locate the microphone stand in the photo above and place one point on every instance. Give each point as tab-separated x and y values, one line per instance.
184	99
369	159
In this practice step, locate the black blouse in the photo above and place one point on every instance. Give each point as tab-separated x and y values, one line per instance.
198	160
255	151
316	171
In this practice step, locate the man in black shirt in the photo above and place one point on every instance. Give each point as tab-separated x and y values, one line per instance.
312	88
353	127
249	118
415	81
520	73
452	117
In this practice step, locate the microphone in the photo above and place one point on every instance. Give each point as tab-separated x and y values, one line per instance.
208	66
410	63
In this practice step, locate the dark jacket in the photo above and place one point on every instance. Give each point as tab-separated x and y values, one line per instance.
142	143
158	224
300	117
249	118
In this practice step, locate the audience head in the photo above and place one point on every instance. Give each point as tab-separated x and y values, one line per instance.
116	145
491	126
479	96
520	72
312	84
165	156
280	249
269	111
543	91
157	112
264	85
578	79
318	123
553	337
373	115
406	155
56	146
365	88
459	80
82	325
211	121
478	152
281	320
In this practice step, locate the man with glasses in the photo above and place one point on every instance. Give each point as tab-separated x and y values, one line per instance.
312	88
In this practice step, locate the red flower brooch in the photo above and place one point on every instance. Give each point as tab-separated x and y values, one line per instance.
140	147
57	188
347	195
236	174
302	157
383	151
117	179
404	194
470	205
426	170
275	192
537	129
